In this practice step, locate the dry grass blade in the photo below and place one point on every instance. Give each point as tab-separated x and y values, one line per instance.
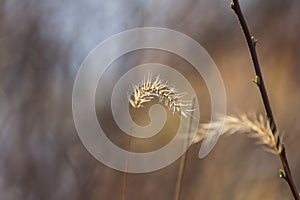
257	127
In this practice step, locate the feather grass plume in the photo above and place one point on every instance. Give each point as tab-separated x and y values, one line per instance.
166	94
257	127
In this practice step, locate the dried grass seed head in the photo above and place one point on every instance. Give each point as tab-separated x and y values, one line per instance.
166	94
257	127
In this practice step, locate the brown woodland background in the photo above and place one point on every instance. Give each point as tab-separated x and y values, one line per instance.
42	44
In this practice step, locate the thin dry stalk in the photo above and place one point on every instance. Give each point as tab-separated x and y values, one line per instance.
125	174
183	161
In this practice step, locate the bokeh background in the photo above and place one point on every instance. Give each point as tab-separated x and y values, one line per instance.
42	44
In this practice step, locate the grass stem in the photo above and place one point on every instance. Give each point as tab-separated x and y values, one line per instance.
183	160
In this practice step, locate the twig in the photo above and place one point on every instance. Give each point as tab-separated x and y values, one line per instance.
183	159
251	41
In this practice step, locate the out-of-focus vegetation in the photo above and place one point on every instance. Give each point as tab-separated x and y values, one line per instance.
42	44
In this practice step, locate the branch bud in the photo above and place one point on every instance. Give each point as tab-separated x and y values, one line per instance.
254	40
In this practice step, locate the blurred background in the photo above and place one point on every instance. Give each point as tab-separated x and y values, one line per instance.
42	44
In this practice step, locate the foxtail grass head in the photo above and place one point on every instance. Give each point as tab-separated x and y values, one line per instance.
257	127
168	95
